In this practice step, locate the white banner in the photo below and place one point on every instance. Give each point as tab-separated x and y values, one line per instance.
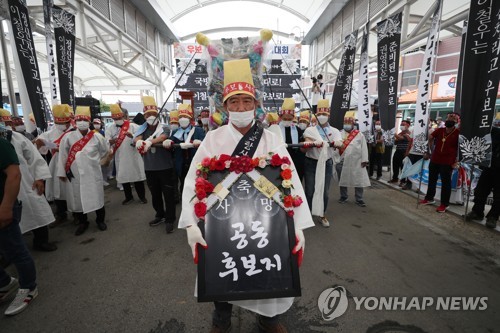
51	61
447	85
364	111
424	83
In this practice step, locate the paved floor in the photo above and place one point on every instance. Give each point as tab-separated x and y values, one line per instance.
137	278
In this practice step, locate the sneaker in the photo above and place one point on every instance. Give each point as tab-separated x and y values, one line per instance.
127	201
474	216
169	228
360	203
21	302
442	208
426	202
157	221
342	200
491	222
324	222
9	289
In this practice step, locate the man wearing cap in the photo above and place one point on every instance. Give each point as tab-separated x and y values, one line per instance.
240	103
353	160
173	120
81	152
292	134
205	117
97	124
37	213
318	164
158	165
189	137
128	162
19	127
48	144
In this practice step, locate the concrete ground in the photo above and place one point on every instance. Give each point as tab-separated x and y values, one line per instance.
137	278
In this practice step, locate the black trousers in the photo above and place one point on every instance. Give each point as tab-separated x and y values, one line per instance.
488	181
444	171
221	316
375	160
397	163
100	216
161	186
41	235
139	188
61	208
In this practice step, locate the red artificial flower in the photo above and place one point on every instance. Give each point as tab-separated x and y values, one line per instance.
200	193
286	174
297	201
200	209
276	160
224	158
219	165
206	162
290	213
209	187
288	201
255	162
285	160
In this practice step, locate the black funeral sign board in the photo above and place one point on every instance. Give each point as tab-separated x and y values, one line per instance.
250	239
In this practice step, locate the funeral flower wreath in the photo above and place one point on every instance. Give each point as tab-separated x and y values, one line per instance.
242	164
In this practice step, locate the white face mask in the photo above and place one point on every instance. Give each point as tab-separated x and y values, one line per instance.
119	122
302	126
204	121
322	119
20	128
286	123
97	127
241	119
184	122
402	127
152	120
173	127
82	125
378	127
61	127
347	127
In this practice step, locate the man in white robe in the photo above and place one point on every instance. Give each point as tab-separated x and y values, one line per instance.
241	105
351	169
81	152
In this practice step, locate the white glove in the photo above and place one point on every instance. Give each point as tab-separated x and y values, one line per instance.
319	143
195	237
139	144
186	145
299	246
167	144
196	143
338	143
147	145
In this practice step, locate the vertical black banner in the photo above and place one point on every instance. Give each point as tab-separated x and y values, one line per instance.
64	31
341	98
389	40
480	78
23	38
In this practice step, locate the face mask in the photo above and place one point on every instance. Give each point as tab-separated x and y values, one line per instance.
241	119
82	125
322	119
286	123
173	127
119	122
204	121
449	123
152	120
378	127
184	122
61	127
302	126
20	128
97	127
347	127
402	127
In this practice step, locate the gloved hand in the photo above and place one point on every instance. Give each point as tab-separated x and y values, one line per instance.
195	237
147	145
139	144
196	143
186	145
167	144
338	143
319	143
299	246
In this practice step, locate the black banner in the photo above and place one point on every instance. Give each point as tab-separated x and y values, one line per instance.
388	46
250	241
64	31
480	78
23	38
341	98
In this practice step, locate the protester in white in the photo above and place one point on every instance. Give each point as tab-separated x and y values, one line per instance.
353	160
128	162
241	105
49	142
319	162
81	152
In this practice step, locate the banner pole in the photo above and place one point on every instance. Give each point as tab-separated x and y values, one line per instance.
468	191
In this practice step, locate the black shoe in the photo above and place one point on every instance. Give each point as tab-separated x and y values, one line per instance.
143	201
342	200
45	247
102	226
360	203
474	216
491	222
170	228
81	228
127	201
59	220
157	221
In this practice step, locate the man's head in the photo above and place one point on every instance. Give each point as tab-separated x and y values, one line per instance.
304	118
97	123
117	114
452	119
150	110
62	116
5	118
185	115
82	117
323	111
287	112
378	125
348	124
405	124
204	116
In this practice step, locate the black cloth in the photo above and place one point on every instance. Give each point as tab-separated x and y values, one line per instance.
100	216
139	119
376	160
397	163
161	186
139	188
221	316
61	208
40	235
297	156
444	171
